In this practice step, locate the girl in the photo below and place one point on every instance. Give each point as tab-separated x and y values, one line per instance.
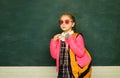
72	59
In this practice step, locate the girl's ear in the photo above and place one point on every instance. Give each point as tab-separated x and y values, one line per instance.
73	24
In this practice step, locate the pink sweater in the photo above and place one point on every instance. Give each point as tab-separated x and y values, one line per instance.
76	45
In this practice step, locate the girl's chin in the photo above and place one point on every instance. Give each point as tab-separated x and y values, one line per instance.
65	30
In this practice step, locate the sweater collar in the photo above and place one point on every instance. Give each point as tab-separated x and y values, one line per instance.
65	35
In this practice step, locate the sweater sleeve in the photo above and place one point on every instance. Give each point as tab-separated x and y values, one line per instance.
54	48
77	45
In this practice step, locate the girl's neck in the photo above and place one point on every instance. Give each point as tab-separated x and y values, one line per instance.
67	31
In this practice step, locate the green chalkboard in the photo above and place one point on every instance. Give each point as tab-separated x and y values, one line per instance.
26	27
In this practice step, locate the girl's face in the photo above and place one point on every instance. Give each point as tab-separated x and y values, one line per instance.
66	23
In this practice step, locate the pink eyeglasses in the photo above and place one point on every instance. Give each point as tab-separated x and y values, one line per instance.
65	21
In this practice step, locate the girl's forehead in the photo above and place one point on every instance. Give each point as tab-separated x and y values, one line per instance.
65	17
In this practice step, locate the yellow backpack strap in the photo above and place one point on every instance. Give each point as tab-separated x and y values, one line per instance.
74	64
75	35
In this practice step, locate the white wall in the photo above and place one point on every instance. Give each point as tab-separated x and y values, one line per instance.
49	72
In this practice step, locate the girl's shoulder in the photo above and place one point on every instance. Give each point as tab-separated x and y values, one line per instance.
76	34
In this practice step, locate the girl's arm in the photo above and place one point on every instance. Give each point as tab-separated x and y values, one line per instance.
77	45
54	48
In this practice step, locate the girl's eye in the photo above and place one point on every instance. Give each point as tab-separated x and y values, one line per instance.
66	22
60	22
